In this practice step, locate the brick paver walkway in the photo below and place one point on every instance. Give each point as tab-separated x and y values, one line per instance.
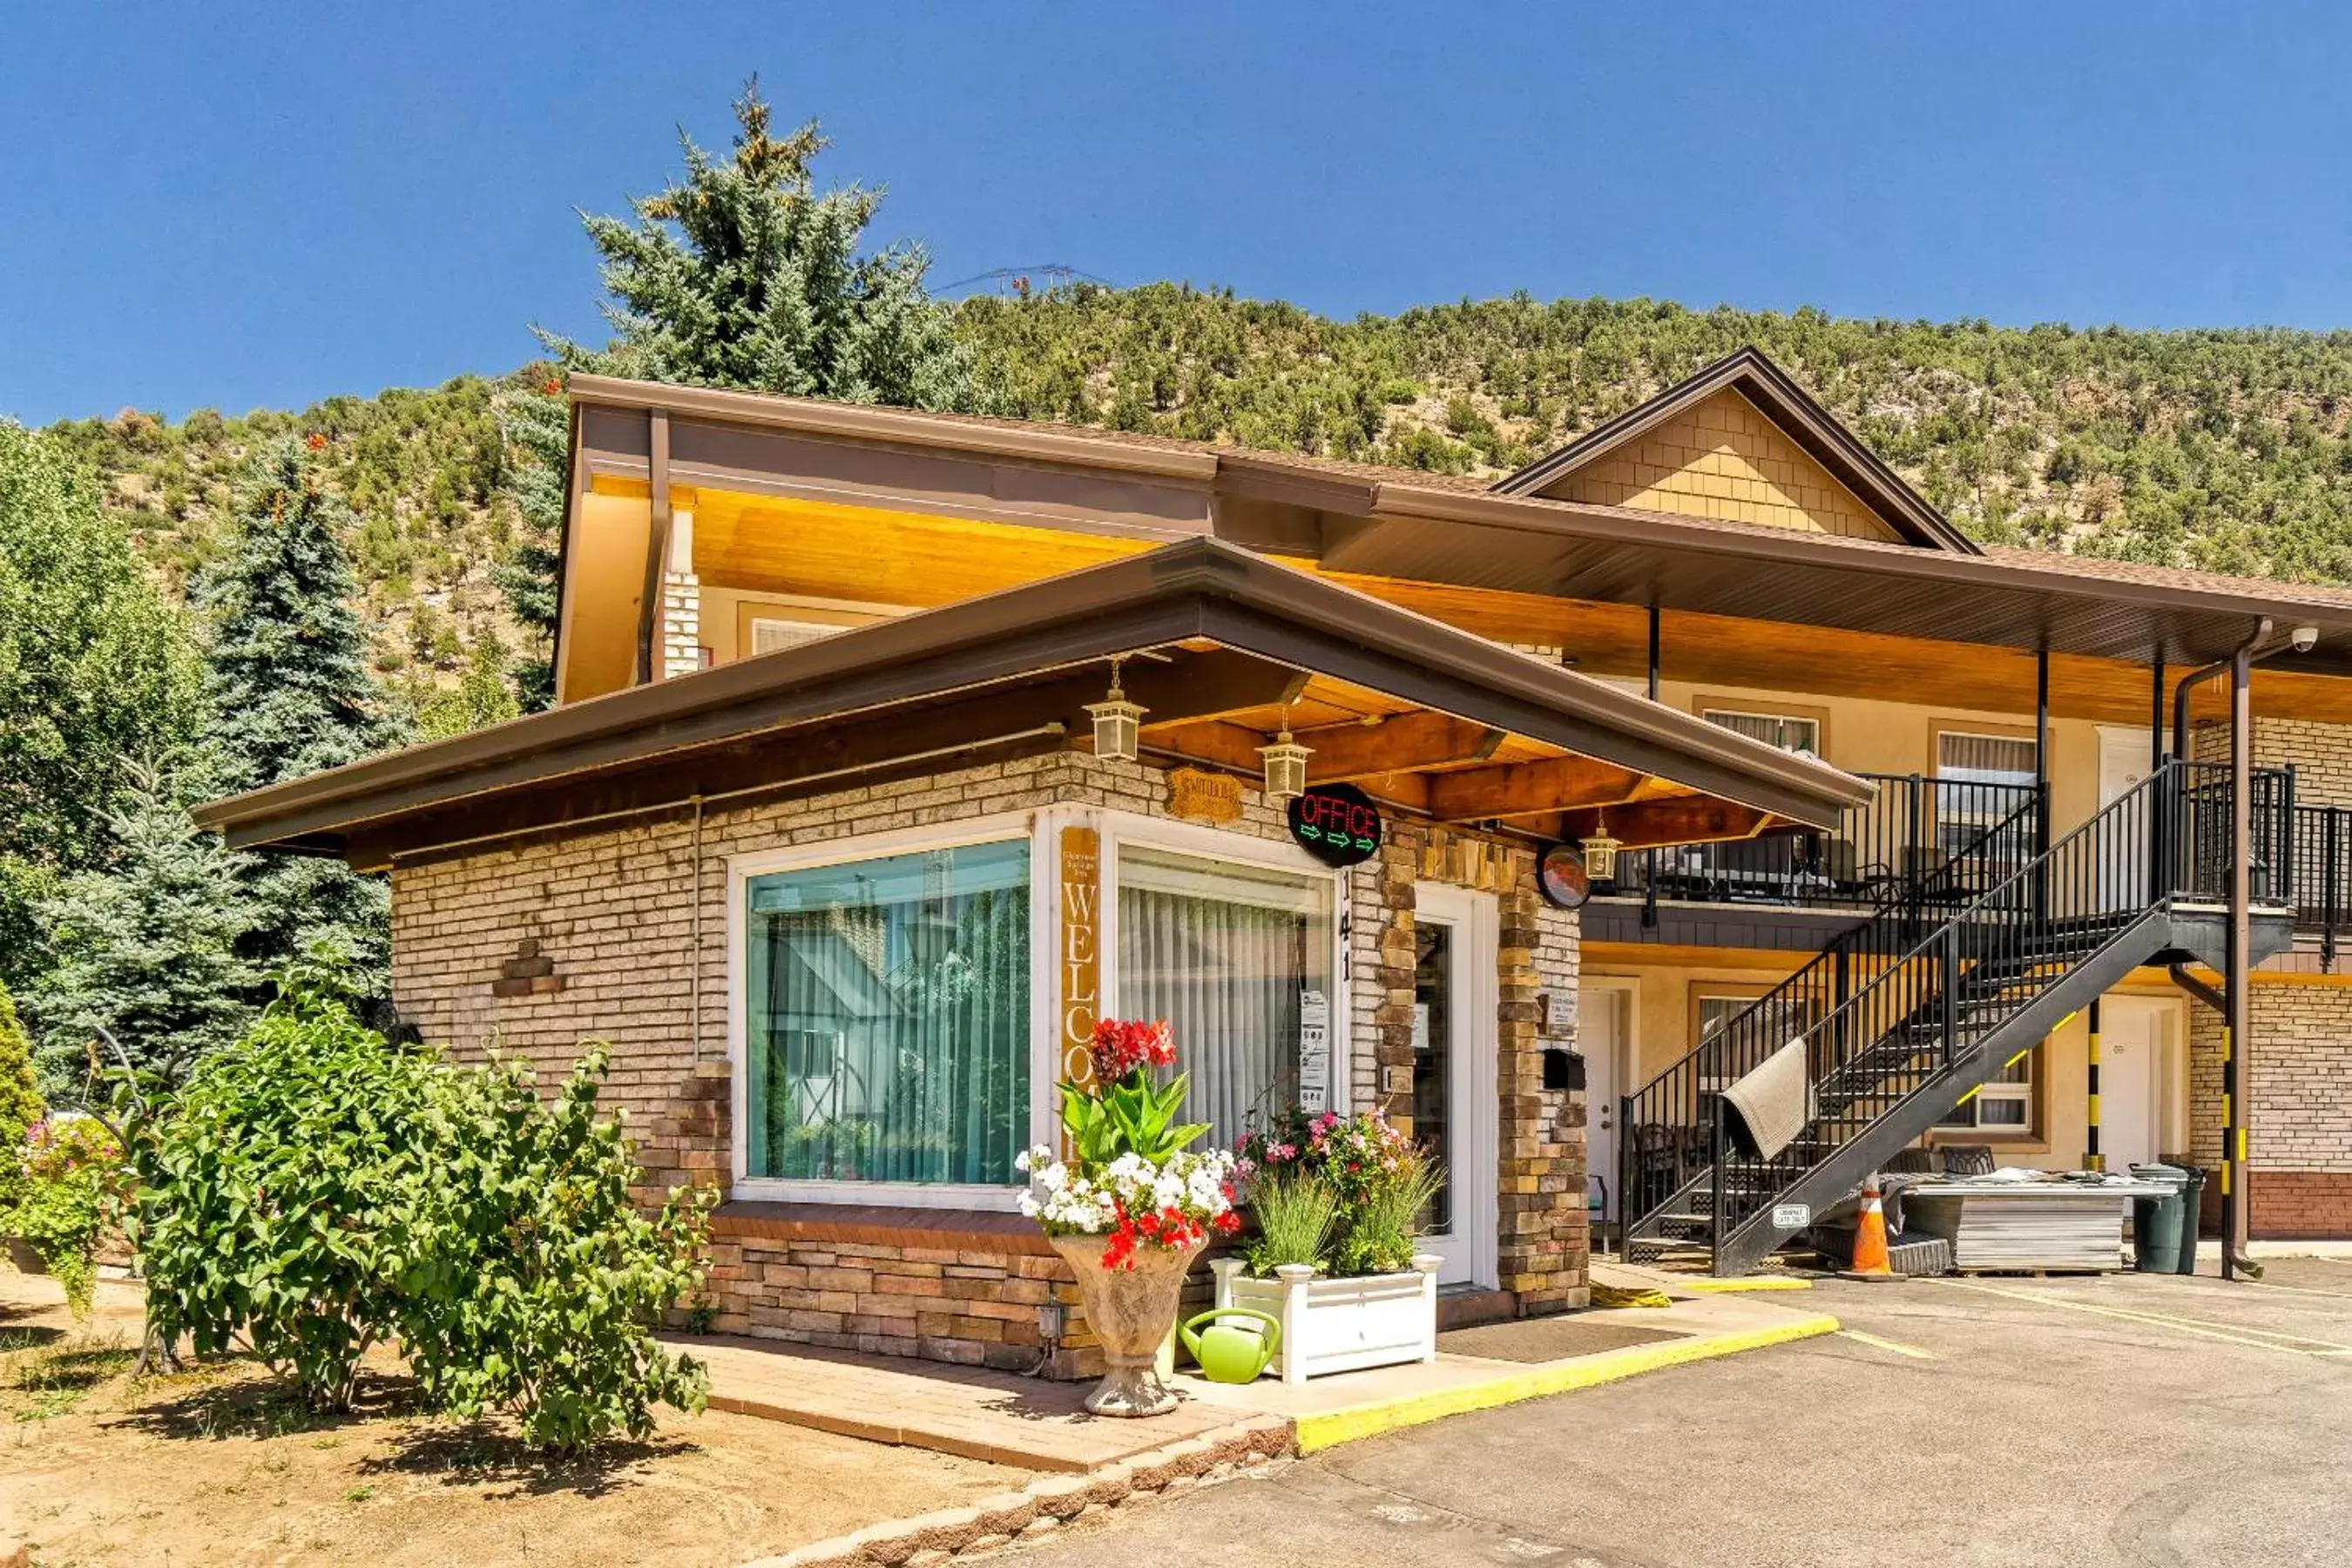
981	1415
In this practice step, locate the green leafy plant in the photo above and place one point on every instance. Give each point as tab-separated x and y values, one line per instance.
1297	1212
1384	1216
1382	1185
276	1190
70	1171
533	1283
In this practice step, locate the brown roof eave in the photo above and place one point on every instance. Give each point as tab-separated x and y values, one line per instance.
1147	600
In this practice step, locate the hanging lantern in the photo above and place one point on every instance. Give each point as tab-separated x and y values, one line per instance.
1600	853
1115	727
1285	768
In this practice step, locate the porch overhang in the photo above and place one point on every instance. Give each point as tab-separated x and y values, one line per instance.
1221	646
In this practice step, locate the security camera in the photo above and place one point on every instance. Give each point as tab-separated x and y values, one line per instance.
2303	638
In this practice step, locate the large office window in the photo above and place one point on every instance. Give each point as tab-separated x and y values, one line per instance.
1228	954
888	1027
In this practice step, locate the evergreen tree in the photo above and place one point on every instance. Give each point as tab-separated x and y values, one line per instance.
536	426
288	692
744	275
480	697
20	1093
149	948
94	665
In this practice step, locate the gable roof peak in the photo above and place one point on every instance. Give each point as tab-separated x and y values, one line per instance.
1791	410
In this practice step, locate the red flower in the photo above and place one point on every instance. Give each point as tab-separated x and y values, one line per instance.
315	441
1123	1047
551	386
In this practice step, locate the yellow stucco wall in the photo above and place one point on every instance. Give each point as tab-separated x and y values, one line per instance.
1722	458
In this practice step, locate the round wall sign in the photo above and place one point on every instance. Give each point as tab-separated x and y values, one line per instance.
1561	876
1338	823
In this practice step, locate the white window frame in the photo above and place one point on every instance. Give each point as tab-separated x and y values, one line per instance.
1032	827
1123	829
2026	776
2006	1093
1707	716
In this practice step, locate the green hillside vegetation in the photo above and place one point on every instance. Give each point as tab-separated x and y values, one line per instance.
2229	450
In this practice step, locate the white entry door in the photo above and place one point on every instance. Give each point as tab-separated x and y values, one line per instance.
1604	1036
2123	759
2135	1064
1454	1038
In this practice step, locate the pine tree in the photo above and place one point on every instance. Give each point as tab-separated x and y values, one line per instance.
745	275
286	692
536	428
148	949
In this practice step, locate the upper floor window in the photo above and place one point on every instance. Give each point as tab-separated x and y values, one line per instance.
1985	759
769	633
1790	732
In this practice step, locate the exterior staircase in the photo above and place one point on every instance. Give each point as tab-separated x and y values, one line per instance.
1952	979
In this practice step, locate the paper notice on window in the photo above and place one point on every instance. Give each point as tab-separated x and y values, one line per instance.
1314	1050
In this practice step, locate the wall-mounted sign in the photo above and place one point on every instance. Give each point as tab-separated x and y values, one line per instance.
1338	823
1314	1050
1081	885
1197	794
1561	877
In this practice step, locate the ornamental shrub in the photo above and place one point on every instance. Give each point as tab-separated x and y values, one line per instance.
276	1193
535	1283
1381	1183
70	1171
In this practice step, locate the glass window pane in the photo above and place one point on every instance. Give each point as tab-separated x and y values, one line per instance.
1785	731
1223	953
888	1018
1985	759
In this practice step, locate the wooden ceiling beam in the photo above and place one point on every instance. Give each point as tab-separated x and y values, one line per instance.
1656	824
1527	789
1406	743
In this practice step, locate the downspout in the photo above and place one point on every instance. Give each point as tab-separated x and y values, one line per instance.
2231	1001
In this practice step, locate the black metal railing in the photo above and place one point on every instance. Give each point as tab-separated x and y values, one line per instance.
1664	1126
1932	1007
2322	848
1912	830
1893	1004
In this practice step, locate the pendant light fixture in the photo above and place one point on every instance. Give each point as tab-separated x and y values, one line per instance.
1286	766
1115	727
1600	852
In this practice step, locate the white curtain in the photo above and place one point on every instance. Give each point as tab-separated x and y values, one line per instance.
1223	952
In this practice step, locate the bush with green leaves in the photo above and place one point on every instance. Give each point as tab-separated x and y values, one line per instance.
314	1191
69	1178
276	1190
535	1282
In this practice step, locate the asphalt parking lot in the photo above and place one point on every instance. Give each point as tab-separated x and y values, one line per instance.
2016	1422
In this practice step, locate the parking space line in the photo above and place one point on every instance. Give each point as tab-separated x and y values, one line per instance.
2234	1334
1874	1342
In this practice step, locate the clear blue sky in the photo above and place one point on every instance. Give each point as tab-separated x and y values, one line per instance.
239	206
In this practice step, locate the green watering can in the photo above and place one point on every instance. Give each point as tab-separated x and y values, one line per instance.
1232	1352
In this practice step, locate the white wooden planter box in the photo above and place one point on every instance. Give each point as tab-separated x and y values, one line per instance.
1340	1325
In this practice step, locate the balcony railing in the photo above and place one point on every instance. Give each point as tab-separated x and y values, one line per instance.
1952	839
2323	875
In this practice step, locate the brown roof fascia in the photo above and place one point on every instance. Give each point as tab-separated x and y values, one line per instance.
1623	525
1199	587
898	427
1813	427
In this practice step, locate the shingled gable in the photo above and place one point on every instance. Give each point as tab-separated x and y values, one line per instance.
1791	412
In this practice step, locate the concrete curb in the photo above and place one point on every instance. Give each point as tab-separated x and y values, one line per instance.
1047	1503
1329	1428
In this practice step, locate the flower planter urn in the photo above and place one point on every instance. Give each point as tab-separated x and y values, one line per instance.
1131	1311
1340	1325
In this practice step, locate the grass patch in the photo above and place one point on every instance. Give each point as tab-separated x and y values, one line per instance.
59	1375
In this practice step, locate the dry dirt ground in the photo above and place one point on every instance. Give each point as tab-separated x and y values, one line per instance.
212	1467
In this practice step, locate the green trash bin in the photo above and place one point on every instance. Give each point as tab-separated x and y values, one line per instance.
2193	1204
2157	1223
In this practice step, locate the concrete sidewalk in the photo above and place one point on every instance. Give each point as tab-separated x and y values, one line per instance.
1039	1425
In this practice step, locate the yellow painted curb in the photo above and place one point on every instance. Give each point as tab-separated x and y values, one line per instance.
1332	1427
1729	1287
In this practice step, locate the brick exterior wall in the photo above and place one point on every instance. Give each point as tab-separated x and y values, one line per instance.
2298	1081
635	923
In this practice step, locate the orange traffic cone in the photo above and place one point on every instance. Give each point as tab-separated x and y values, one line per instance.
1869	1259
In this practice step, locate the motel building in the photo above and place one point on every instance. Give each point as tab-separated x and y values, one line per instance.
893	749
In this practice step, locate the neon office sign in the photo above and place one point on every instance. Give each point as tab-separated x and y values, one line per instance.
1338	823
